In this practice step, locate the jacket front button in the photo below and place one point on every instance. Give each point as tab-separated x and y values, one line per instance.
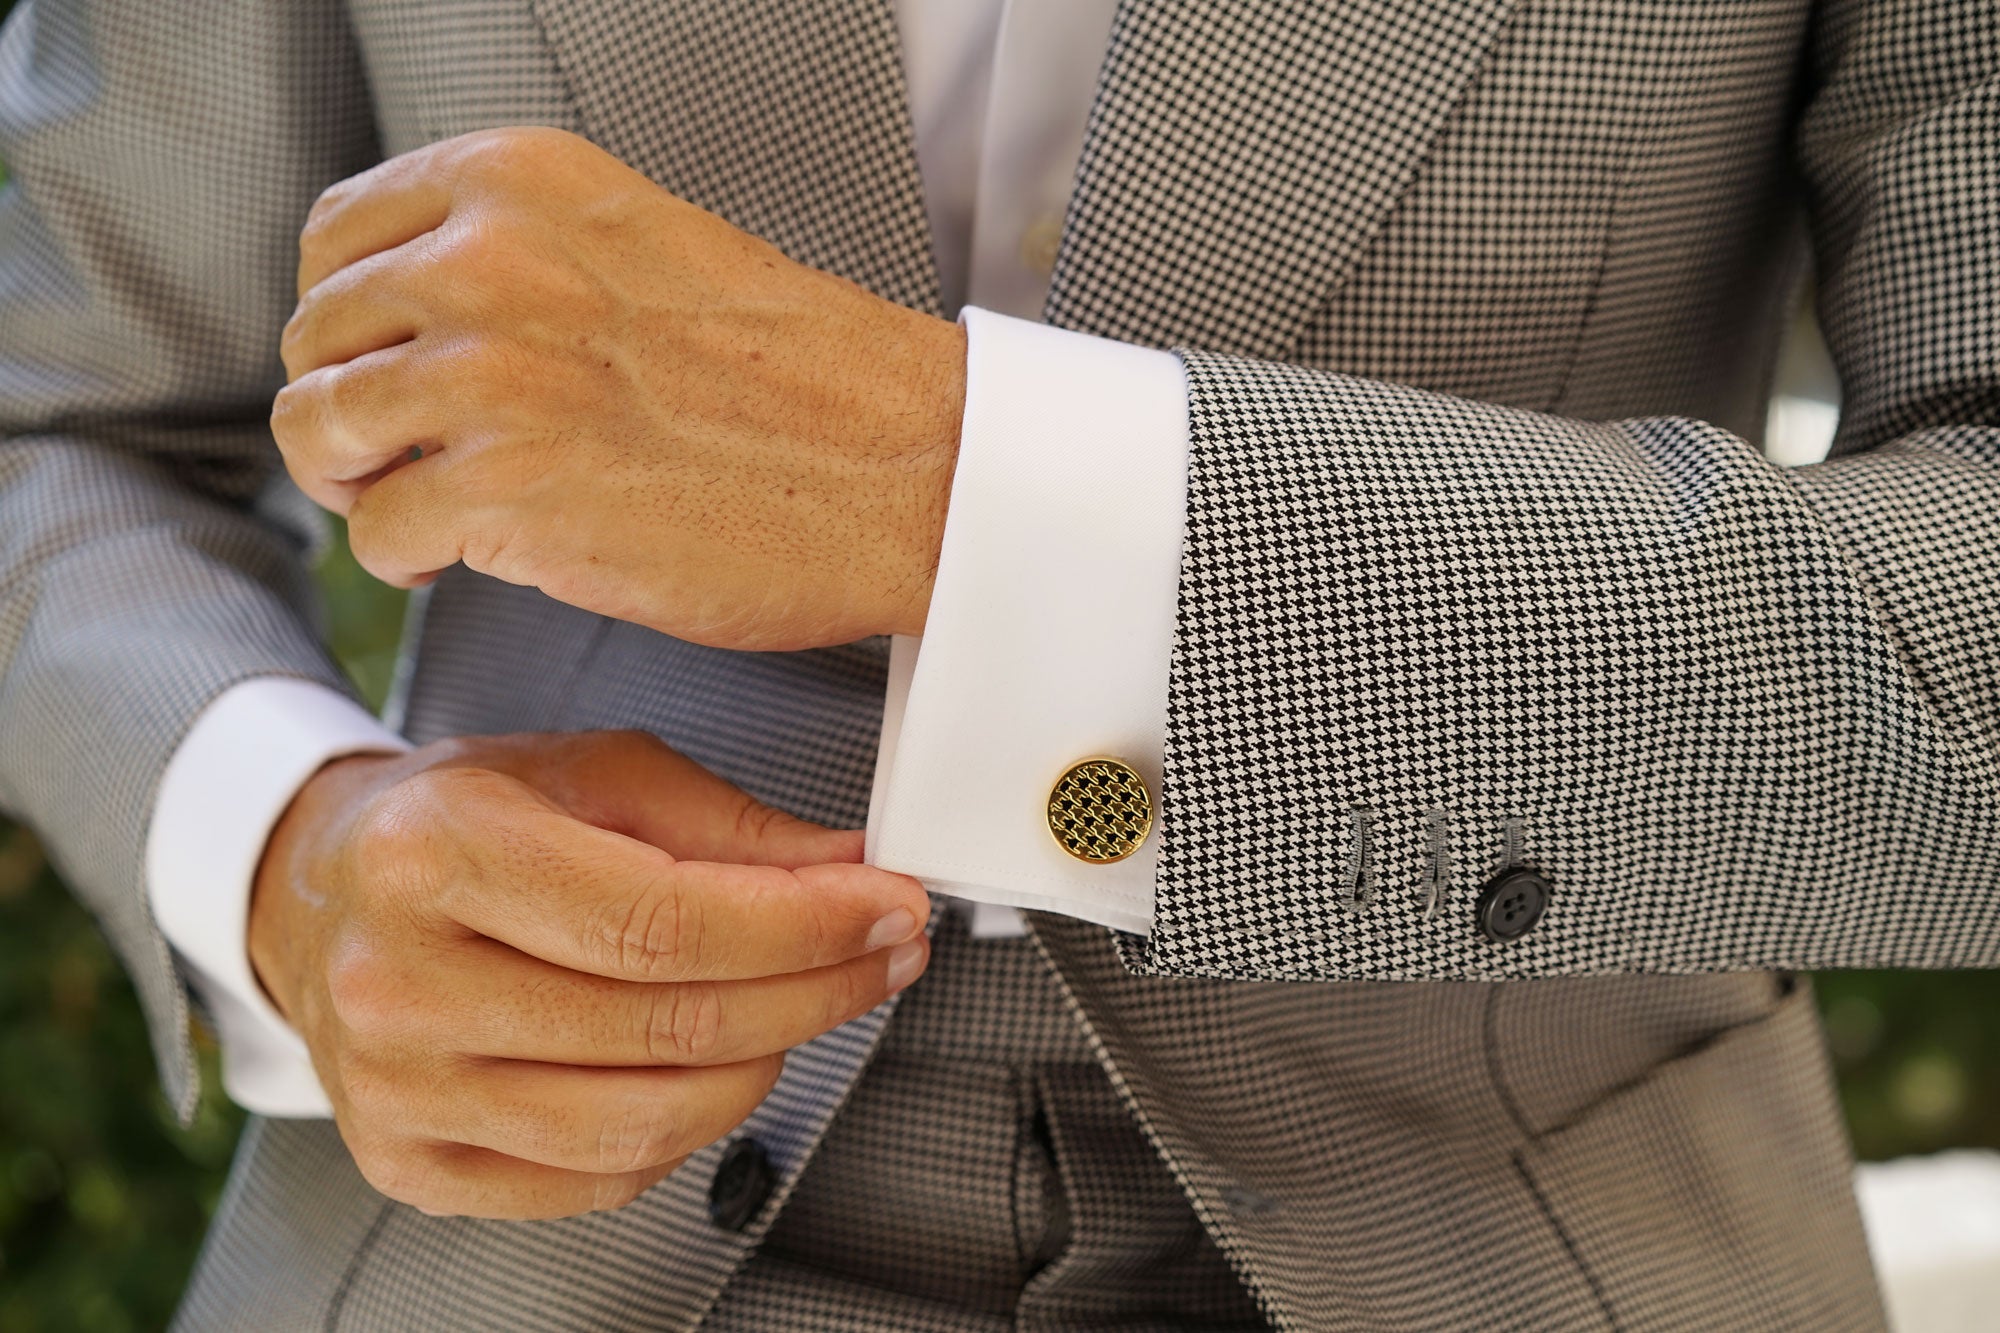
1511	903
743	1181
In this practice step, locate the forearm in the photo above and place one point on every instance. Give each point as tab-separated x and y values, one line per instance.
127	603
147	246
1741	717
232	778
1635	656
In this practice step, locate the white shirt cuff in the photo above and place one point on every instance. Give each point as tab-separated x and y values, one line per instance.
236	771
1051	624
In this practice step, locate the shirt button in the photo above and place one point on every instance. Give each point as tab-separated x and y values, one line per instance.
1040	242
1511	903
743	1182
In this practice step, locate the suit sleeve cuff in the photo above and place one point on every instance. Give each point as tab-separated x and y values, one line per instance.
233	775
1051	624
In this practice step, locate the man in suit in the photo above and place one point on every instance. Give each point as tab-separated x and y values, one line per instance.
1415	729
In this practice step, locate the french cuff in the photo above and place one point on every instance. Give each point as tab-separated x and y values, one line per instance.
235	772
1050	627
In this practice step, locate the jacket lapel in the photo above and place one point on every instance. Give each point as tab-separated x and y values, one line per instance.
1240	156
787	117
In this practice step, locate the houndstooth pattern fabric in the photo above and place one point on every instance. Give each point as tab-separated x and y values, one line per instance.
1743	717
137	366
929	1206
985	1175
1481	565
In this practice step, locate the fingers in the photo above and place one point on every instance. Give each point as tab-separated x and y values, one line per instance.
461	1180
589	899
515	1140
616	780
383	207
342	426
475	1074
369	305
398	200
407	525
494	1001
617	1122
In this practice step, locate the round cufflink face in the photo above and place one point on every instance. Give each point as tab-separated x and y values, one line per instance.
1100	810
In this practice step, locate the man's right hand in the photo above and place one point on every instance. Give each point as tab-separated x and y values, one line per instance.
536	972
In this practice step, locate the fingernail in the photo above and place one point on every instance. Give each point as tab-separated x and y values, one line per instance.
904	964
894	928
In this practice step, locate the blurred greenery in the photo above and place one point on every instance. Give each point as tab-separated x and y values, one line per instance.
103	1197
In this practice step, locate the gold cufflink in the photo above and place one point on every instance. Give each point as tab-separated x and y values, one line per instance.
1100	810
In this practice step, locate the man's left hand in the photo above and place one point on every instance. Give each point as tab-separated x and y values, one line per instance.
514	351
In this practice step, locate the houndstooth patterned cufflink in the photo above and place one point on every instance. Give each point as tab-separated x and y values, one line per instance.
1100	810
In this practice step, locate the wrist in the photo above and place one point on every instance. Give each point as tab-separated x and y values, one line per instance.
283	896
929	468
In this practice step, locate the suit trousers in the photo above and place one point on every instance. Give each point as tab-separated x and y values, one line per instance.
984	1174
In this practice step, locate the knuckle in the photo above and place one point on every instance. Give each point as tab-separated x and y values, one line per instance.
655	938
609	1193
859	990
755	820
445	791
631	1139
291	416
467	751
349	391
447	755
418	830
319	218
366	540
512	148
365	992
383	1171
476	243
393	835
470	255
484	547
686	1024
375	1096
403	1175
497	150
769	1069
292	338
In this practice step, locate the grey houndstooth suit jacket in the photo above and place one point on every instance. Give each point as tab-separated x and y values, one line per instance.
1477	300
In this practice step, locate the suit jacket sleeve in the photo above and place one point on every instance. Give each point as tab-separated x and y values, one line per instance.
1738	716
161	167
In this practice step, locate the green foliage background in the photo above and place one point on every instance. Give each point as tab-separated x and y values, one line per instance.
103	1198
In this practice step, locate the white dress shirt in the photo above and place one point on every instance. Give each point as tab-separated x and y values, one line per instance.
1050	628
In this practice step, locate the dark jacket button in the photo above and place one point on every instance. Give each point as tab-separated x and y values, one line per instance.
743	1181
1511	903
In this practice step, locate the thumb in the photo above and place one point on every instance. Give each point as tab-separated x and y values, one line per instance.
637	785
